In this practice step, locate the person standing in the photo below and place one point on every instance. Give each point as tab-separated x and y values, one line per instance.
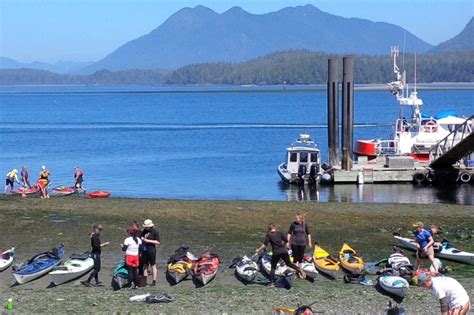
44	181
25	177
150	238
299	237
424	244
96	250
453	298
78	178
131	246
11	179
279	244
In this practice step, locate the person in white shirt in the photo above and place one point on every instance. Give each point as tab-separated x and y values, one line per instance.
131	246
453	298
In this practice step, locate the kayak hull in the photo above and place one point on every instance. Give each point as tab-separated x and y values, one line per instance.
72	269
325	263
452	253
353	263
394	285
246	270
38	266
6	259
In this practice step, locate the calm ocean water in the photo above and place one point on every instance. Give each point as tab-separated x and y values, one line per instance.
154	142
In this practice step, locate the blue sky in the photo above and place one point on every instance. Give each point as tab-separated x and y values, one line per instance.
87	30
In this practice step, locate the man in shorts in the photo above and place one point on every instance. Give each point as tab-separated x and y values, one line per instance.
424	244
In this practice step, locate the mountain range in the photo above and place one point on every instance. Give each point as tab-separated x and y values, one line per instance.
200	35
58	67
197	35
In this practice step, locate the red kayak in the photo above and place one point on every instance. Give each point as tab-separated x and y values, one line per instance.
63	191
98	194
27	191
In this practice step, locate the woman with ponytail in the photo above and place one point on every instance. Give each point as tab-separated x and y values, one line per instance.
131	247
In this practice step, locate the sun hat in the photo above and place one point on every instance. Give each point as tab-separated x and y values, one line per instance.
148	223
418	224
15	170
43	167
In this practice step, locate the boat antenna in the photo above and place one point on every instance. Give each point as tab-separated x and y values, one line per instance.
403	52
415	75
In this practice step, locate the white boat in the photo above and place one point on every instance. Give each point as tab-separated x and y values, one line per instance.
281	269
246	269
76	266
447	251
309	269
394	285
303	162
6	259
414	134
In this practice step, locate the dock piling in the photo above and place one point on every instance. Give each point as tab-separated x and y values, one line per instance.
333	114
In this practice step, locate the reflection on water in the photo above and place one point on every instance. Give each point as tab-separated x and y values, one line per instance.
398	193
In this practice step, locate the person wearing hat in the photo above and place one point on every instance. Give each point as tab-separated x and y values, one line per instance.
96	250
424	244
150	238
453	298
78	178
11	179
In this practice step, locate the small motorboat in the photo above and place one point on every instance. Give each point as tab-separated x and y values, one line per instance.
447	251
303	162
394	285
246	269
76	266
324	262
98	194
206	267
350	260
26	191
6	258
63	191
39	265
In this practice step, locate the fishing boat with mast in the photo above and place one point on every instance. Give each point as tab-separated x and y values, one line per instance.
414	135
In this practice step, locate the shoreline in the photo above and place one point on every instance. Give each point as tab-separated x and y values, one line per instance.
230	228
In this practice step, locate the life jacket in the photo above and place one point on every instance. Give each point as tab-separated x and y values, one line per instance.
44	174
11	175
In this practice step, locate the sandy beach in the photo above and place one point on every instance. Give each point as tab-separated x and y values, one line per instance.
230	228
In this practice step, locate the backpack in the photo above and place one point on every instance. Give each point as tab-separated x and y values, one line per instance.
354	277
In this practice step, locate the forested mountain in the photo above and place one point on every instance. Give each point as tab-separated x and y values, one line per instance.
462	41
197	35
287	67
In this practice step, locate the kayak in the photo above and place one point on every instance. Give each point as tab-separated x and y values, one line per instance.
76	266
63	191
394	285
98	194
179	271
26	191
39	265
180	265
324	262
447	251
206	267
308	267
246	269
284	275
350	260
6	258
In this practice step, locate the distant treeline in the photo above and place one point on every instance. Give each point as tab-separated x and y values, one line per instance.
287	67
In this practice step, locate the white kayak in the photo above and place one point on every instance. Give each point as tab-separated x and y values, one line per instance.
6	258
447	252
308	267
280	270
76	266
246	269
394	285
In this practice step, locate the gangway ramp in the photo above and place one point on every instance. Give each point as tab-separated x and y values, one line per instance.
455	146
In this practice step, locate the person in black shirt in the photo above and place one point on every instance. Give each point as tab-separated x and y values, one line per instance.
279	244
96	249
299	237
150	238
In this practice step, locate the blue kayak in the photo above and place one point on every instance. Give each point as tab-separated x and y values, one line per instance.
39	265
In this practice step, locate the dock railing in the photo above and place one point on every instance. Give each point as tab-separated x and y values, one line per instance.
452	139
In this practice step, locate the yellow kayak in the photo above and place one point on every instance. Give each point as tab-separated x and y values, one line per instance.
350	260
179	270
324	262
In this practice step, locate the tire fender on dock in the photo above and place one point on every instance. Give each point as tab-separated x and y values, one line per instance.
430	177
465	177
419	178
